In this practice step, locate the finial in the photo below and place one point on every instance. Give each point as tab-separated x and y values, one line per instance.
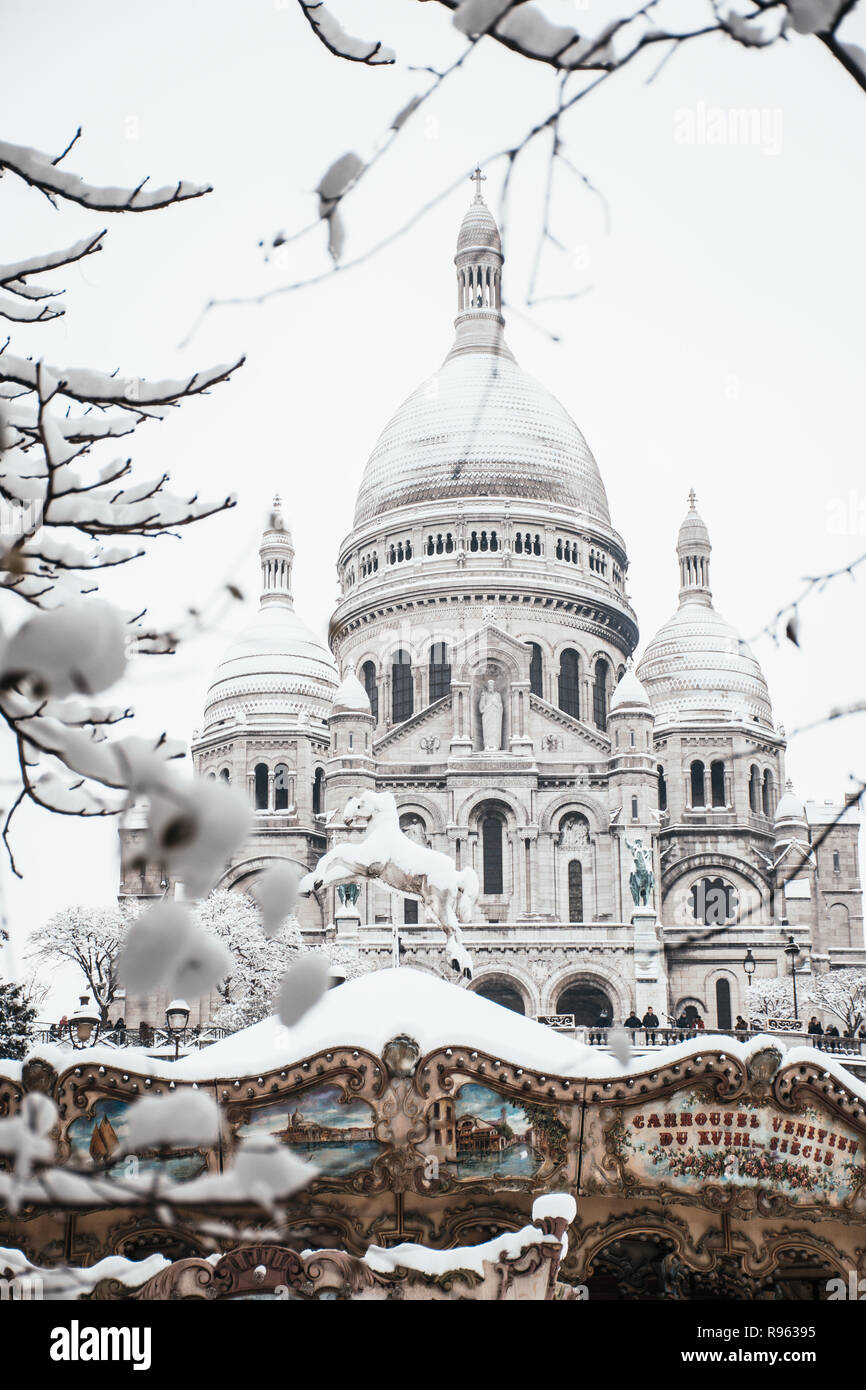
478	178
693	497
789	785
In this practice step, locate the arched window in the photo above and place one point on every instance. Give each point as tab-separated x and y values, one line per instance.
569	683
536	670
440	671
723	1003
261	775
697	775
318	792
225	775
599	694
717	784
402	696
281	787
491	850
767	793
575	891
663	789
368	676
754	789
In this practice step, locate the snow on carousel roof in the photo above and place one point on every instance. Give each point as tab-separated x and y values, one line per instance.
369	1011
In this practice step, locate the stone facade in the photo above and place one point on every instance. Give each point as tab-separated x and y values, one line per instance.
483	574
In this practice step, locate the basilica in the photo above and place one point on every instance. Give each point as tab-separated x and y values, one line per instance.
631	825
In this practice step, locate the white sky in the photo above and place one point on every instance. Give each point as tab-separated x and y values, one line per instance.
719	344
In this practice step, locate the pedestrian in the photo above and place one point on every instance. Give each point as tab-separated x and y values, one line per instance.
632	1021
741	1026
649	1023
814	1026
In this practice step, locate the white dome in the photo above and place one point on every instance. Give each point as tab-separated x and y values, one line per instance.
697	667
481	427
790	806
351	697
276	667
629	693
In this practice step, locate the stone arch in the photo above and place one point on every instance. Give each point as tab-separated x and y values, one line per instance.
591	973
508	977
474	661
581	805
676	887
424	807
736	993
467	812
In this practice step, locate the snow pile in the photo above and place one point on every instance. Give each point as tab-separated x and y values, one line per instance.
69	1282
508	1246
369	1011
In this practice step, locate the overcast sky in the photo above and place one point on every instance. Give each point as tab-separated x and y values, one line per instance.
718	343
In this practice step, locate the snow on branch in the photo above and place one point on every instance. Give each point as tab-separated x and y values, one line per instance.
27	306
41	172
65	516
331	33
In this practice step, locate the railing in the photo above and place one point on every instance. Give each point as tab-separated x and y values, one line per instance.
668	1037
150	1039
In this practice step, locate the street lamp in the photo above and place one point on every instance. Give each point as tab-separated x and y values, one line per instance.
176	1018
84	1024
792	950
749	965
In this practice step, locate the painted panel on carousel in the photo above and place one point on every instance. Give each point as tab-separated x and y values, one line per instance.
334	1133
99	1135
480	1133
692	1143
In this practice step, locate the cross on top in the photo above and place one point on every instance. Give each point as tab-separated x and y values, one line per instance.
693	497
478	178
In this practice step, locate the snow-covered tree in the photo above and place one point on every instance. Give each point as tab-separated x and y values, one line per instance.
17	1017
68	514
258	961
89	938
841	993
772	997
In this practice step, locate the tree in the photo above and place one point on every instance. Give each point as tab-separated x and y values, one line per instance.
841	993
838	992
260	961
16	1021
66	518
89	938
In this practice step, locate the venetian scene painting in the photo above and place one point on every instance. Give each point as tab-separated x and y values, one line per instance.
480	1133
321	1127
809	1156
100	1135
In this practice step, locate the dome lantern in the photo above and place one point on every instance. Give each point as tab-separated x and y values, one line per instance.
479	323
693	551
276	553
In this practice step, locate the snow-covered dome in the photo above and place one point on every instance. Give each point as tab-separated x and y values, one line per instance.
350	696
478	228
276	667
629	694
480	426
790	806
697	666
